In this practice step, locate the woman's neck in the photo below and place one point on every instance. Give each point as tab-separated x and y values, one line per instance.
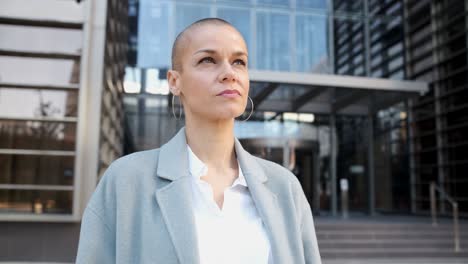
212	142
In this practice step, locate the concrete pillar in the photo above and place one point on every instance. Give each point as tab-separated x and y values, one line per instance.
371	164
333	154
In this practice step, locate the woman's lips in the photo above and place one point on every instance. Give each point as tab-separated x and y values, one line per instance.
229	93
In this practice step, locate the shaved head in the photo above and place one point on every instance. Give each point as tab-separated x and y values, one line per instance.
181	40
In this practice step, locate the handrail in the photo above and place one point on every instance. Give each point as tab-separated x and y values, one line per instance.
456	228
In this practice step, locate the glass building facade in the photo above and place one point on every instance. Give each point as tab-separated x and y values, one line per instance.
380	39
281	35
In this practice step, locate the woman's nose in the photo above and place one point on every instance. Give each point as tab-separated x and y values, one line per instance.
228	74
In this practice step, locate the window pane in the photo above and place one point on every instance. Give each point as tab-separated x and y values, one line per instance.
273	45
239	2
273	2
342	6
239	18
29	169
27	103
154	45
38	202
187	14
45	39
322	4
311	44
39	71
37	135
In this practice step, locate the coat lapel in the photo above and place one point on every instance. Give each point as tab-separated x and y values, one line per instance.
265	201
175	198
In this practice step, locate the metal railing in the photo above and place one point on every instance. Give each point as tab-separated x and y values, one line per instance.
456	229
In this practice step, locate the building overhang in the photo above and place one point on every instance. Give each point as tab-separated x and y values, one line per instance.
328	94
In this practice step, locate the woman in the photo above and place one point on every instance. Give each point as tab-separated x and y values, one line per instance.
200	198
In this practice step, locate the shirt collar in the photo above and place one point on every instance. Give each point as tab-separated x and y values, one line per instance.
197	168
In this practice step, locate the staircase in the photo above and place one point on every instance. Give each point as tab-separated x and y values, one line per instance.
389	238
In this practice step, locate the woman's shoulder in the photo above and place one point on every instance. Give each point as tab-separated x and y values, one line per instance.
137	168
136	161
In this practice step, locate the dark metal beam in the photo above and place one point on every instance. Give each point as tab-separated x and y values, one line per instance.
305	98
263	94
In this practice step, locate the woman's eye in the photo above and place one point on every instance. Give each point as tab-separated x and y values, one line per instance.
240	62
207	60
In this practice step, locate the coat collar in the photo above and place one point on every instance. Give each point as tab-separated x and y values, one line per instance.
175	198
173	163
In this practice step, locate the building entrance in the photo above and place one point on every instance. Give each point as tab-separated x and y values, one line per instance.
300	156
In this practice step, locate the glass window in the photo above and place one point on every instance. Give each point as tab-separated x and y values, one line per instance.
37	202
37	135
239	2
187	14
311	44
348	6
39	71
154	40
322	4
273	45
36	169
27	103
239	18
273	2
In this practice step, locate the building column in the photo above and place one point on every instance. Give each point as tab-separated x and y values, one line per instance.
438	107
333	155
412	161
316	177
89	104
371	164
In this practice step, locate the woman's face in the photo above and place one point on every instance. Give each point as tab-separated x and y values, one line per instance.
213	81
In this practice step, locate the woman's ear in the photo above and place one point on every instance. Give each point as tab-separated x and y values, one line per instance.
174	82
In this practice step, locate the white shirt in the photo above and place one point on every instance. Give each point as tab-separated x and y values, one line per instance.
234	234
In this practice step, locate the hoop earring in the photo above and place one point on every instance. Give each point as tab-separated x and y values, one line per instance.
173	111
251	110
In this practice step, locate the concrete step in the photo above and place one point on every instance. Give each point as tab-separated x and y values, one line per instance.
389	238
389	243
388	253
396	261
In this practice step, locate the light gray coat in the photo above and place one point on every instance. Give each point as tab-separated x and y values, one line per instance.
141	210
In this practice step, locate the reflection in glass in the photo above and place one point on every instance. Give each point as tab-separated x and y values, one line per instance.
321	4
187	14
243	2
41	170
28	103
273	45
273	2
311	44
343	6
38	71
37	135
240	18
154	40
37	202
